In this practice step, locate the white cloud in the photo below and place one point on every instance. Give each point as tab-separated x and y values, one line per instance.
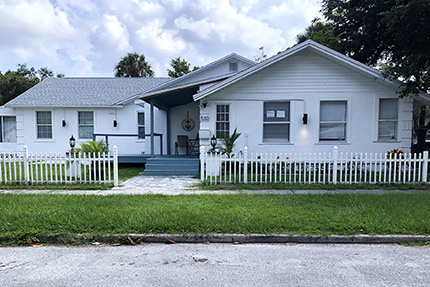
87	37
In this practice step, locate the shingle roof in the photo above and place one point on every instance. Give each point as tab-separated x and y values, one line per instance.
83	92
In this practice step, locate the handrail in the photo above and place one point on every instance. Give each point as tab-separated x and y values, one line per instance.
128	135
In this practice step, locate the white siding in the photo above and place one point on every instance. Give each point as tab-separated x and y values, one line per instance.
305	79
103	123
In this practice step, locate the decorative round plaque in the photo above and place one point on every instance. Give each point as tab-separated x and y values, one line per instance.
188	123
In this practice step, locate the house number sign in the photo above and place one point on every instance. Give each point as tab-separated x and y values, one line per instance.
204	118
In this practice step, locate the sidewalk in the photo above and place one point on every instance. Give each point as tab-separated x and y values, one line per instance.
175	185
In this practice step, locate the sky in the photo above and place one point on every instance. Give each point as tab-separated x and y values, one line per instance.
86	38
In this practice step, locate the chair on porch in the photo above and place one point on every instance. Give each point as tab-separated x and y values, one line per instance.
181	142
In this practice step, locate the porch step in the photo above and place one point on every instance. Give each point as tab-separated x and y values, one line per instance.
171	166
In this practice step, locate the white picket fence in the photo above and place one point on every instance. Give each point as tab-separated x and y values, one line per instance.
312	168
59	168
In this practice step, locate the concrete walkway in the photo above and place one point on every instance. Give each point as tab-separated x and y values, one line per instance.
174	185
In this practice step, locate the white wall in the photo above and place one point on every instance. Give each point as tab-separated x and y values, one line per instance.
103	123
304	80
177	115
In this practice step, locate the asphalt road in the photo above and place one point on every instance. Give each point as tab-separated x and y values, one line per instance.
216	265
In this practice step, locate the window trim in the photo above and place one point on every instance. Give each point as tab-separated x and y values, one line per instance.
396	135
140	126
233	64
287	122
216	120
50	125
2	130
86	125
345	122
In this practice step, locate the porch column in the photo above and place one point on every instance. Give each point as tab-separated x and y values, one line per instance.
168	130
151	115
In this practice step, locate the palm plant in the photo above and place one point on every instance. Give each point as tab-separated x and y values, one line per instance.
92	147
229	143
133	65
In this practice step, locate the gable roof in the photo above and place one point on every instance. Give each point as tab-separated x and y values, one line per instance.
85	92
192	78
315	47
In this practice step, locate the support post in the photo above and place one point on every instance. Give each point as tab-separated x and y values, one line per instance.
168	131
245	164
335	154
115	165
26	173
425	165
151	115
202	162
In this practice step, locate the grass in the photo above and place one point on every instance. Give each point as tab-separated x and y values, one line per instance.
128	172
329	186
123	175
26	215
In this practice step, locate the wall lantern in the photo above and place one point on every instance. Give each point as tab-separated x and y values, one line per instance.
305	119
115	123
213	142
63	123
72	142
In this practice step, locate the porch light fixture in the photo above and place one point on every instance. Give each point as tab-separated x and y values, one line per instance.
213	142
115	123
305	119
63	123
72	143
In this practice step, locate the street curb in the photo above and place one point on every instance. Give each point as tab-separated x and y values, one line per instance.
133	239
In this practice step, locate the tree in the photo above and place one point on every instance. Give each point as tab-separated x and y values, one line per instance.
391	31
394	33
133	65
14	83
180	67
44	73
322	33
262	56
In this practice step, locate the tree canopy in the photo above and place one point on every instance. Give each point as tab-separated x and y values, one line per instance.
14	83
394	32
133	65
322	33
180	67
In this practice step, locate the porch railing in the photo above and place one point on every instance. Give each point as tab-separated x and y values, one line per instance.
59	168
313	168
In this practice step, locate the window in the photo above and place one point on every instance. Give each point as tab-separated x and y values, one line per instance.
8	129
141	125
233	67
276	123
86	125
333	121
44	125
222	121
387	124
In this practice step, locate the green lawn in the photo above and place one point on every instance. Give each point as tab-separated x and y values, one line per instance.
23	215
123	175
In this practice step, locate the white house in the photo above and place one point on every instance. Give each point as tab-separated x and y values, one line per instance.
48	114
305	99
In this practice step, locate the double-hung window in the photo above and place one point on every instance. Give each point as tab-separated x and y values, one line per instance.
276	123
222	121
141	125
44	124
86	125
8	129
333	120
388	117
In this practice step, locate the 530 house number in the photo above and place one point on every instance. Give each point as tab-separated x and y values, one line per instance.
204	118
